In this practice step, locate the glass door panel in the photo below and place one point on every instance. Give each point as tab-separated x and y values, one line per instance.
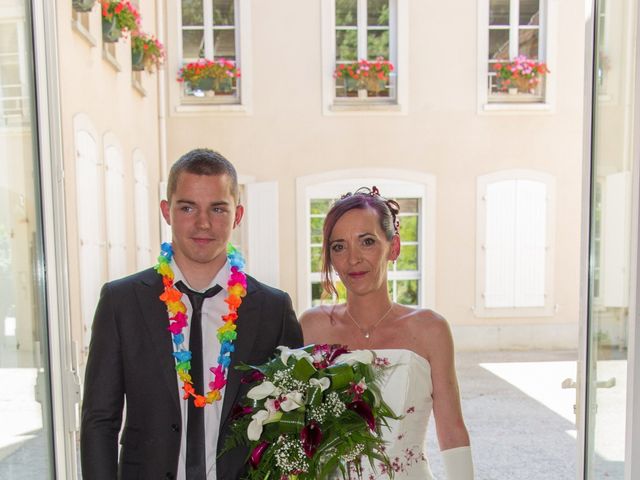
25	400
612	160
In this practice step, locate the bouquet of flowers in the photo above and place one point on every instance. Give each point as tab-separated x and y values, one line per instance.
313	411
521	73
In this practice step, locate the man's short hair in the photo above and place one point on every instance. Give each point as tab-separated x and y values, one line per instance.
202	161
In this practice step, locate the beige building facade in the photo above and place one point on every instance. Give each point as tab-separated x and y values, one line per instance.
519	202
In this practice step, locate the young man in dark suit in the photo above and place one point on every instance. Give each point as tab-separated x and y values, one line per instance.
131	354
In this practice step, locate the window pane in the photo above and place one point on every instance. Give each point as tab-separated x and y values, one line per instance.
342	292
408	205
499	12
346	45
25	417
407	291
346	13
529	12
378	12
320	206
408	259
499	44
391	284
316	229
409	229
223	13
528	44
316	293
193	43
192	13
224	44
377	44
316	256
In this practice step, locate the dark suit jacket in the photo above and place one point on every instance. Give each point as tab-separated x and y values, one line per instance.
130	357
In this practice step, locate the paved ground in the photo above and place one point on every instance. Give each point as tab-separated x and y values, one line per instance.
520	421
522	428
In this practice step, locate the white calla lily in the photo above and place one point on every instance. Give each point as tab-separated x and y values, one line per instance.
298	353
292	401
357	356
260	418
323	383
263	390
254	430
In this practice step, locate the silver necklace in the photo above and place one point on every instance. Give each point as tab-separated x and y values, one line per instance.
368	331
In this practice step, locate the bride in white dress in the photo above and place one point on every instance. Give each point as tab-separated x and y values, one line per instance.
360	237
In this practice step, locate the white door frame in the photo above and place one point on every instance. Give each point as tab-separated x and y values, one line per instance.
64	383
632	440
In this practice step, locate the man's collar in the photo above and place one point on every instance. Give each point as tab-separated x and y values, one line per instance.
221	278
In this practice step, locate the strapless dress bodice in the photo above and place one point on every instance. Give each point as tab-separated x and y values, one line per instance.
407	389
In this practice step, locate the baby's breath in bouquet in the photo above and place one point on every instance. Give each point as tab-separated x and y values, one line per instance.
314	412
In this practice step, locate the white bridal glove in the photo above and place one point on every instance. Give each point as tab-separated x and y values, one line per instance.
458	463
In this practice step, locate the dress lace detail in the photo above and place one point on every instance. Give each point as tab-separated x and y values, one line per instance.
407	389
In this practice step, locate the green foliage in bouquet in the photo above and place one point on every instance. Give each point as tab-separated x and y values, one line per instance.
313	412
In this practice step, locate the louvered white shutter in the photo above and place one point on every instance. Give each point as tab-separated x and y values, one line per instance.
116	216
615	244
530	245
499	244
263	242
89	209
141	211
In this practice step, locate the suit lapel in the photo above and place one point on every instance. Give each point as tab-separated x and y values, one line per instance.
247	328
156	320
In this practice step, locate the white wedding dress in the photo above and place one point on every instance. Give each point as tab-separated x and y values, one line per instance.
407	390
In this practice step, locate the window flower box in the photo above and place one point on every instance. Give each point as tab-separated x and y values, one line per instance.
83	6
365	78
146	52
520	76
118	17
209	77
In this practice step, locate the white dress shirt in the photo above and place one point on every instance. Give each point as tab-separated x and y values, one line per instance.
212	309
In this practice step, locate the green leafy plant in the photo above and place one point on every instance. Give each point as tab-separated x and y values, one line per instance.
146	51
372	76
521	73
218	75
121	12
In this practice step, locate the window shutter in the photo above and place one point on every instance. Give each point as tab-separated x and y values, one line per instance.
615	244
89	220
263	243
530	243
117	251
499	244
141	212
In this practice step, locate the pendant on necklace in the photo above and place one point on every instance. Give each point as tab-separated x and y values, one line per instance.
367	334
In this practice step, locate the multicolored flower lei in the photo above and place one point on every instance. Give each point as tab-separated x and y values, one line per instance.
236	289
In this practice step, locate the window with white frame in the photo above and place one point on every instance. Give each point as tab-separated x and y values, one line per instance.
410	279
141	210
14	105
516	37
116	214
365	49
210	42
515	244
403	276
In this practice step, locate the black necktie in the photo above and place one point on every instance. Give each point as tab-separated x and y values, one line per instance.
196	465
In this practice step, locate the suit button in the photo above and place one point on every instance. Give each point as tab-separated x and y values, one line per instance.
169	476
175	427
